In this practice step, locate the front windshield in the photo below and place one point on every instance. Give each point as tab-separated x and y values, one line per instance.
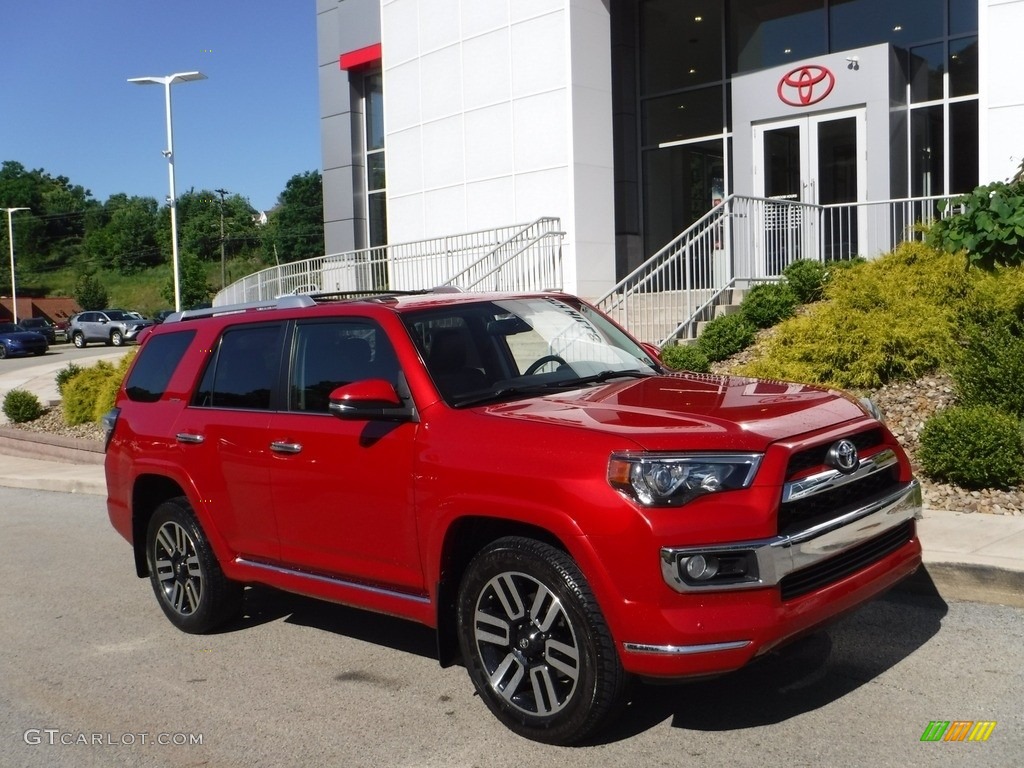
496	349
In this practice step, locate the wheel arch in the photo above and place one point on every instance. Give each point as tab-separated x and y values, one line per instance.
148	493
463	540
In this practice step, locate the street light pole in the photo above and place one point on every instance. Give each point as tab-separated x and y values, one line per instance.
10	239
172	200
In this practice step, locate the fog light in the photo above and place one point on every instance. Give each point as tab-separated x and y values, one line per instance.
701	568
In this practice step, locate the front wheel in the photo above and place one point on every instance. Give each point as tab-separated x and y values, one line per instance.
189	584
535	643
116	338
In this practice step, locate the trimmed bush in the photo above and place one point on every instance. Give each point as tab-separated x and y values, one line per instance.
807	279
91	392
69	371
897	317
990	370
685	358
768	304
725	336
21	405
973	447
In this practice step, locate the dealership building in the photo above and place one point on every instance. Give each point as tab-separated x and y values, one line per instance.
628	120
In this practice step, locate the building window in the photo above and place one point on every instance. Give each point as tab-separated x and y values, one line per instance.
376	180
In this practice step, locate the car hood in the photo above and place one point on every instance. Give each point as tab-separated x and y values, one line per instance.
711	412
23	335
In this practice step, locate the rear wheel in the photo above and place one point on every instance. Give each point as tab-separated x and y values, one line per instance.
535	643
3	351
186	577
78	339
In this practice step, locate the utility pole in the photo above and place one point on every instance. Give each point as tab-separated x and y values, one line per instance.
223	276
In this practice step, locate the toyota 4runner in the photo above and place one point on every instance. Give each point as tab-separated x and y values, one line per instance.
514	471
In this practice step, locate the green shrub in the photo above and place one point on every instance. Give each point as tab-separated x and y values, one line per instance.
768	304
21	405
807	279
91	392
988	227
725	336
897	317
69	371
973	447
990	370
685	358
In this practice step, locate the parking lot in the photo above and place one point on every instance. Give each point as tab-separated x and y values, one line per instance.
92	674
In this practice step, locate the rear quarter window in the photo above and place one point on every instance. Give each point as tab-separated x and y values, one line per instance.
158	359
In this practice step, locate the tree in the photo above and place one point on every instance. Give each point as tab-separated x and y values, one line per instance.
195	289
297	224
90	293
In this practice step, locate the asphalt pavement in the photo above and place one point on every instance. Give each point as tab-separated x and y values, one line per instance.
967	556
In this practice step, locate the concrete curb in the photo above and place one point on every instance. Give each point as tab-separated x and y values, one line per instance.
68	450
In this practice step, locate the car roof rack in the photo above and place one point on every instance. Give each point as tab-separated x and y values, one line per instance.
282	302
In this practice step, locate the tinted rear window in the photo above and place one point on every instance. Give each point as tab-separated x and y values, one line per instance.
158	359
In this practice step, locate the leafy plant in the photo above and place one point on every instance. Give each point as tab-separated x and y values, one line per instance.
91	392
989	225
20	406
807	279
90	293
685	357
974	447
768	304
725	336
66	373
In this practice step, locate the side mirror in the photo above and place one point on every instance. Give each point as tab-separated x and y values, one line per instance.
373	399
653	350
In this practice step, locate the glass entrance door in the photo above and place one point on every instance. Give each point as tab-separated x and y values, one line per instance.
814	167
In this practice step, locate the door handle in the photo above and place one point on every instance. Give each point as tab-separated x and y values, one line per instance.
187	437
279	446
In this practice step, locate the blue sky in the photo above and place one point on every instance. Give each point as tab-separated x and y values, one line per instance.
66	105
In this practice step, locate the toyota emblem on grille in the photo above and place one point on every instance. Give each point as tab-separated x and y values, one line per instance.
843	456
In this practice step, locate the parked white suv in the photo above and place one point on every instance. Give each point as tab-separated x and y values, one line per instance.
109	326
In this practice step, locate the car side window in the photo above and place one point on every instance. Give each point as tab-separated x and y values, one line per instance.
155	366
243	370
329	354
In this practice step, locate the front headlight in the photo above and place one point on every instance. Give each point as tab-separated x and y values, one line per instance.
673	480
872	409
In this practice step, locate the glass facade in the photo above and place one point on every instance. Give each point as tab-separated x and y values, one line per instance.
376	199
684	55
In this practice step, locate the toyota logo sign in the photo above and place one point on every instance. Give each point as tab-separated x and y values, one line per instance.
806	85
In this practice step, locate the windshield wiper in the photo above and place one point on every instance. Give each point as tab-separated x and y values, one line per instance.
498	394
603	376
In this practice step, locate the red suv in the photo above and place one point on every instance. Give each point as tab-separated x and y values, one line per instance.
513	470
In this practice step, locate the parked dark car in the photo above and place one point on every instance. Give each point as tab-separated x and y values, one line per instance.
39	325
17	341
109	326
160	315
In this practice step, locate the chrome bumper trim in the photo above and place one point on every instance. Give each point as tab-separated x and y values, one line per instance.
780	556
685	650
833	478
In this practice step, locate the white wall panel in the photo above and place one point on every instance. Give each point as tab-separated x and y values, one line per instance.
540	128
539	55
441	82
488	142
443	163
439	22
488	203
402	84
479	16
399	31
404	160
486	70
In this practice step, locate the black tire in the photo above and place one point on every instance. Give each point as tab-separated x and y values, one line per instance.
555	677
116	338
187	579
79	340
3	351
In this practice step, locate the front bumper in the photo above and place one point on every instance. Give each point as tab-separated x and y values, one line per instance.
836	567
771	560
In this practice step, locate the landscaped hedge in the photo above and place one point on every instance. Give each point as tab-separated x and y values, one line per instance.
973	447
91	392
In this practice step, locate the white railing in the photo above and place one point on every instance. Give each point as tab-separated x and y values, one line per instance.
520	257
746	240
